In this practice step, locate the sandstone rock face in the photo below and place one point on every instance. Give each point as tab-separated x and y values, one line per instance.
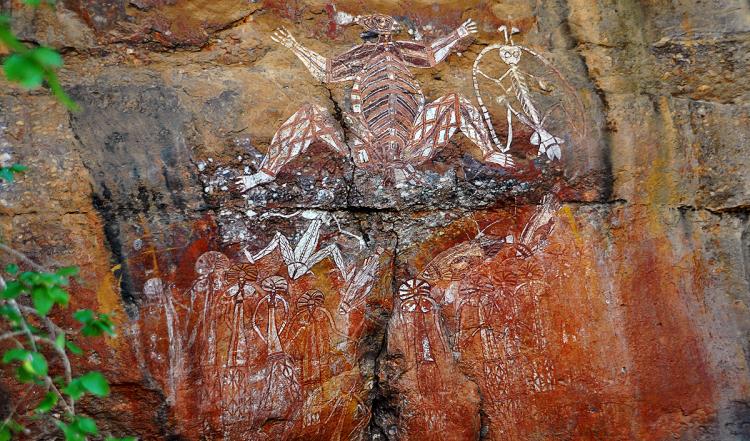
603	295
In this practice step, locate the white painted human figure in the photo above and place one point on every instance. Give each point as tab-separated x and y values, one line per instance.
393	130
361	279
419	320
527	113
417	302
204	297
317	335
281	392
300	259
161	302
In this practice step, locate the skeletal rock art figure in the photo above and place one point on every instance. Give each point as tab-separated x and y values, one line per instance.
304	256
282	389
235	342
517	96
204	330
391	127
316	335
161	317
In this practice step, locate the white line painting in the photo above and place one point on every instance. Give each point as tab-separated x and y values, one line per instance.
249	341
392	128
516	95
479	300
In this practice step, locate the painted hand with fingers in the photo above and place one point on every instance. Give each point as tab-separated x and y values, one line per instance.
283	36
468	27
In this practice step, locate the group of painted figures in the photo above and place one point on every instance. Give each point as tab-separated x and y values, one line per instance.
391	127
262	337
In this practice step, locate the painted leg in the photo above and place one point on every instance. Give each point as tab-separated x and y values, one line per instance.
310	123
334	253
439	121
280	242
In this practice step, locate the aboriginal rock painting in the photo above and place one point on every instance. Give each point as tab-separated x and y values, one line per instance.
270	334
477	307
522	93
391	126
260	333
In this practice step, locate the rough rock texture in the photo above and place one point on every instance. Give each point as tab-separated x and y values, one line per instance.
468	304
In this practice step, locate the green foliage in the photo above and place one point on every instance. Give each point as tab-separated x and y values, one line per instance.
94	325
46	289
8	428
31	67
7	173
92	382
78	428
33	332
36	3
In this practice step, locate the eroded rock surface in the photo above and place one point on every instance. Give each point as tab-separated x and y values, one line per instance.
601	296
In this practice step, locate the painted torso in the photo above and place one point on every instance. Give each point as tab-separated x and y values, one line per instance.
386	97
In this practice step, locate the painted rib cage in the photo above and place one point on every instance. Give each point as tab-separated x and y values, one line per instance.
388	98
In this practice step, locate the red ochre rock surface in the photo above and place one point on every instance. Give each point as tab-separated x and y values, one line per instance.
600	297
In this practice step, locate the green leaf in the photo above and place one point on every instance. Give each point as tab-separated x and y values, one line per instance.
6	174
36	364
95	383
8	428
74	389
70	431
84	315
12	290
24	374
60	341
72	347
15	354
21	68
86	425
59	295
11	314
49	401
32	2
18	168
59	93
42	300
11	269
94	327
47	57
68	271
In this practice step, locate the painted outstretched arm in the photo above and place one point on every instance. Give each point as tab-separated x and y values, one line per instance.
313	61
439	49
323	69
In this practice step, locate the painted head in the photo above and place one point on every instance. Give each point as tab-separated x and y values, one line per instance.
376	25
509	53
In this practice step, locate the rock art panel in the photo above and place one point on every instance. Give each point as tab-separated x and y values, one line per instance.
384	278
266	342
391	126
273	343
